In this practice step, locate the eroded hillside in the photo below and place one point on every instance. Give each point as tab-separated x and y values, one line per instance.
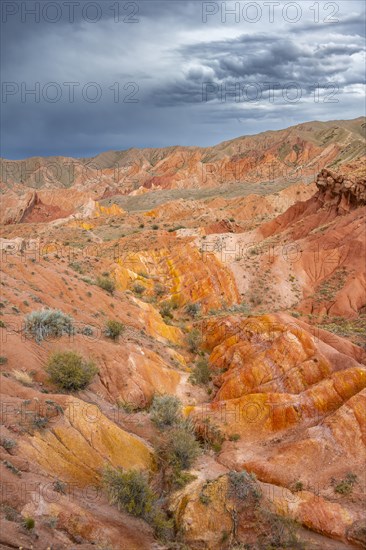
245	305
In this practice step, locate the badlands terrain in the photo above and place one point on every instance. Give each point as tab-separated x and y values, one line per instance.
218	298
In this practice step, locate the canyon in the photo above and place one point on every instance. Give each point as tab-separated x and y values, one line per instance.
236	274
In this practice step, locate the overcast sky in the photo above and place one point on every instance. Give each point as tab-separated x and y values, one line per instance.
115	75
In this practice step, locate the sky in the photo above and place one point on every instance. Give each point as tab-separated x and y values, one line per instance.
81	77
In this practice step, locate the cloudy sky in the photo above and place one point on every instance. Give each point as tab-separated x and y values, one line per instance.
82	77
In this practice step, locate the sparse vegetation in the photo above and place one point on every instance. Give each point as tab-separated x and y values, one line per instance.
159	289
29	523
10	466
210	435
106	283
23	377
48	323
166	309
243	485
345	486
138	288
40	422
180	448
165	411
194	340
7	443
193	309
298	486
129	491
69	371
114	329
201	372
59	487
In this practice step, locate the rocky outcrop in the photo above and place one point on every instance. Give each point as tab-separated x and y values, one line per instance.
346	193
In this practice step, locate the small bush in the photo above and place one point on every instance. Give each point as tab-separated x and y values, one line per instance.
181	448
76	267
87	331
278	532
345	486
165	411
29	523
40	422
23	377
210	435
107	284
234	437
193	309
48	323
129	490
243	485
59	487
114	329
3	360
159	289
298	486
69	371
12	468
201	373
8	443
166	309
194	340
11	514
138	288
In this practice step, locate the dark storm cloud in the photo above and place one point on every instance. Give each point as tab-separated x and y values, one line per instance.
151	72
262	59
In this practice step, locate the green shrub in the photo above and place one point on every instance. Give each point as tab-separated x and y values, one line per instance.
180	449
166	309
12	468
129	490
59	487
114	329
40	422
138	288
8	443
234	437
201	372
193	309
29	523
3	360
194	340
46	323
106	283
278	532
211	435
159	289
165	411
298	486
243	485
345	486
69	371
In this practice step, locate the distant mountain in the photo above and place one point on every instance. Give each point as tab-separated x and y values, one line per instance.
296	153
